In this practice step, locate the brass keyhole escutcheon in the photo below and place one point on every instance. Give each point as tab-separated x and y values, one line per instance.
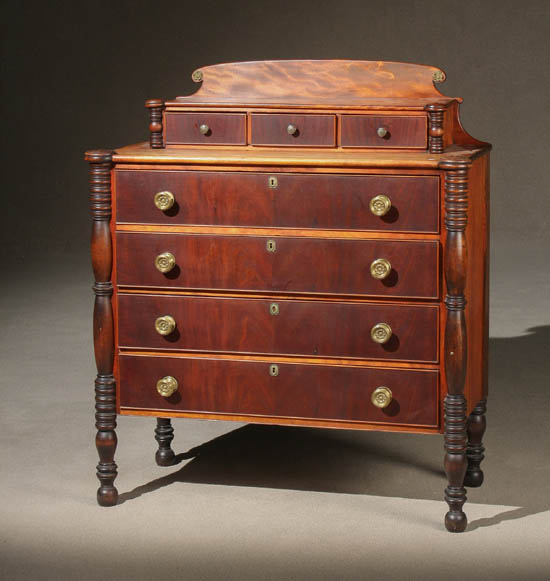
167	386
271	245
273	370
381	333
164	200
380	268
381	397
274	308
165	262
380	205
272	182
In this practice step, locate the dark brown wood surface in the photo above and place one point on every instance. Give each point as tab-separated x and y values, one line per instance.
311	130
298	265
361	131
299	391
225	128
308	328
295	201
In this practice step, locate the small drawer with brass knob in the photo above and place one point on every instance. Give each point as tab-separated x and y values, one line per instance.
294	130
205	128
406	131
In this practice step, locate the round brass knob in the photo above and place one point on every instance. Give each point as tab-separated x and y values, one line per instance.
380	268
291	129
165	325
381	397
164	200
167	386
380	205
382	132
165	262
381	333
204	129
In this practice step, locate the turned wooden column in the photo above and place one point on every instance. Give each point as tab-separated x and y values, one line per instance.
102	260
475	450
435	127
156	108
164	434
455	357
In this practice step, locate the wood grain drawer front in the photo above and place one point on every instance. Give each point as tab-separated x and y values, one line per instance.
279	200
362	131
293	130
281	327
290	265
206	128
297	391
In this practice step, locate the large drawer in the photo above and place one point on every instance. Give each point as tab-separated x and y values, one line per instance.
351	202
280	327
296	391
283	264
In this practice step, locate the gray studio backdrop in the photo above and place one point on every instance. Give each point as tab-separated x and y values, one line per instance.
76	75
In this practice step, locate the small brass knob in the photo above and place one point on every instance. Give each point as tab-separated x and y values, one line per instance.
167	386
381	397
291	129
204	129
165	262
382	132
380	268
380	205
164	200
165	325
381	333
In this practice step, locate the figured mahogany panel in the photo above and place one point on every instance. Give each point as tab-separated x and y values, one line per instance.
284	327
309	130
362	131
284	264
224	128
293	200
297	391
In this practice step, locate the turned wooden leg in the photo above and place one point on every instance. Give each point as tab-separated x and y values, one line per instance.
475	450
164	434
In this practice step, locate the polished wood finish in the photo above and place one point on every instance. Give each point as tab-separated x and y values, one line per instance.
156	109
224	128
297	391
302	328
436	132
310	130
294	201
297	264
361	131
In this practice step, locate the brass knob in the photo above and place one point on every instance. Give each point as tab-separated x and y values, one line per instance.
165	325
204	129
164	200
167	386
382	132
165	262
381	397
380	205
380	268
291	129
381	333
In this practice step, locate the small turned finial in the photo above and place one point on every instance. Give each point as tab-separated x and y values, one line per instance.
156	107
435	129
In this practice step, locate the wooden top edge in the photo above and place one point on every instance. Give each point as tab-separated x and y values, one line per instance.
314	82
247	156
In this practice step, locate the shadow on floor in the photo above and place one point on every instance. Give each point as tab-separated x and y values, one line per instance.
401	465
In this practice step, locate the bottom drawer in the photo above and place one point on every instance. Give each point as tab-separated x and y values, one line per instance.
286	390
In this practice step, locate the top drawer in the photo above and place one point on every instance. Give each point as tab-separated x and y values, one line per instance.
206	128
384	131
293	130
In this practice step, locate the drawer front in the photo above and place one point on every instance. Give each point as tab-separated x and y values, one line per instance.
297	391
206	128
292	201
293	265
362	131
293	130
282	327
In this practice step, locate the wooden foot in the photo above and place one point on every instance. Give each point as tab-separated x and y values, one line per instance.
475	450
164	434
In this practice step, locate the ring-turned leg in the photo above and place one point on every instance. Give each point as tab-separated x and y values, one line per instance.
475	450
164	434
102	260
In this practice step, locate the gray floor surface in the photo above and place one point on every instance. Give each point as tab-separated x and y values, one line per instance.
262	502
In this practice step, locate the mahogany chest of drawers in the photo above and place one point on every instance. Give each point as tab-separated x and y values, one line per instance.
300	243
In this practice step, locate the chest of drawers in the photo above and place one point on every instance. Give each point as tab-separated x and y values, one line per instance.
299	243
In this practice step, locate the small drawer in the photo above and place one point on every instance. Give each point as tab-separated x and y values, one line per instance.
280	327
205	128
286	390
378	268
293	130
384	131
